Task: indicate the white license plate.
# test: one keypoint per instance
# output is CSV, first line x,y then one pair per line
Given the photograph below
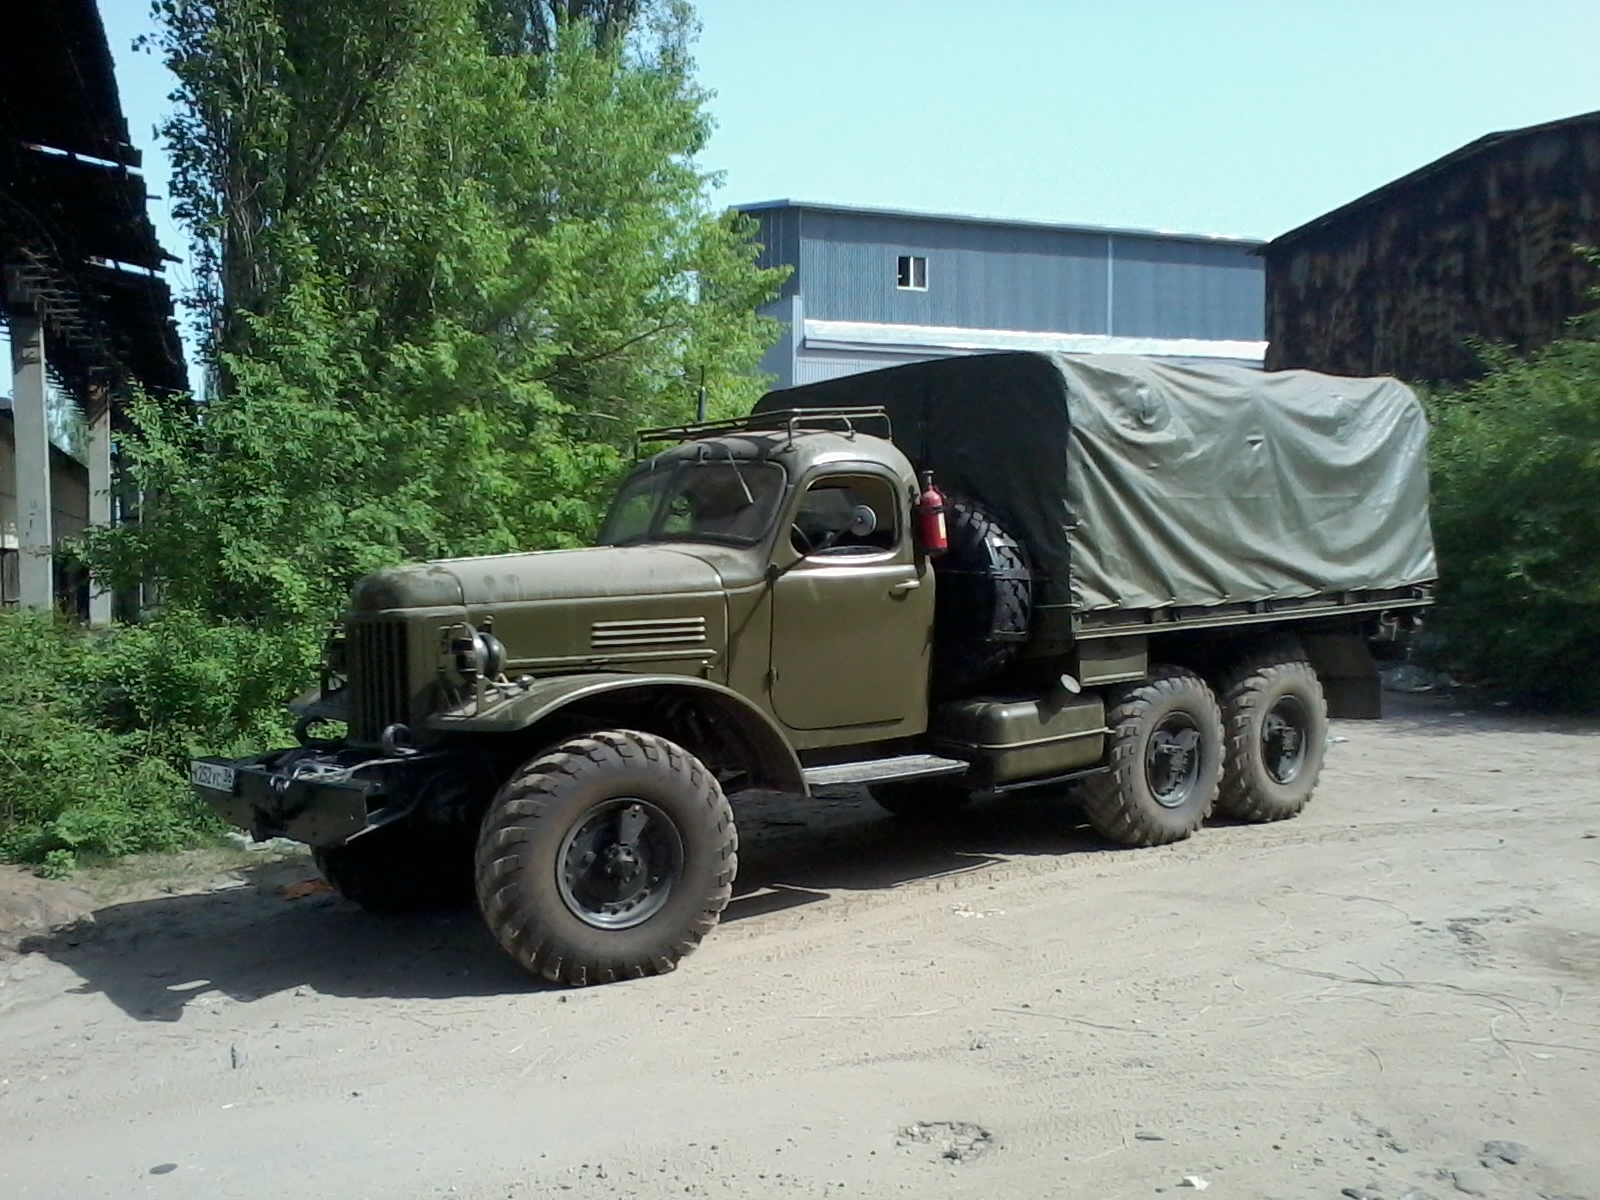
x,y
212,775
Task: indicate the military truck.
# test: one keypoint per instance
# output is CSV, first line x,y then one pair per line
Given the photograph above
x,y
1147,585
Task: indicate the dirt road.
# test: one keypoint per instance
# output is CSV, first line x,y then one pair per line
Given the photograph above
x,y
1358,999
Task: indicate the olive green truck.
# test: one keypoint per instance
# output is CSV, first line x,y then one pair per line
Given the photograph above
x,y
1143,584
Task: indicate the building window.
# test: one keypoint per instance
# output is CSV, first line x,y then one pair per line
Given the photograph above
x,y
911,273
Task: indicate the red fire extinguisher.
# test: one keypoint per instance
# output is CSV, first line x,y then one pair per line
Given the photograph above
x,y
934,536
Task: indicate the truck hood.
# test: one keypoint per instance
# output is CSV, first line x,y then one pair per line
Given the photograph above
x,y
595,573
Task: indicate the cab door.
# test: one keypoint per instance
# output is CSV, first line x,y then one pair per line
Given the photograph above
x,y
852,616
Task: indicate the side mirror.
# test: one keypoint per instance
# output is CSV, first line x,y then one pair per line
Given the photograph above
x,y
862,521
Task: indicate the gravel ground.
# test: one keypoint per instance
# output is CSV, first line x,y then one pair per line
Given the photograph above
x,y
1395,996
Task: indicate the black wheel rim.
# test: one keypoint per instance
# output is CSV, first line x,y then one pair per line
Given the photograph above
x,y
1172,759
619,863
1283,739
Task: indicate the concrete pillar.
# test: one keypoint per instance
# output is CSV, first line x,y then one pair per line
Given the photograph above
x,y
35,541
100,496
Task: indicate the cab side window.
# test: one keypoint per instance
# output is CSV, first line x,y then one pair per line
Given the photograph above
x,y
845,515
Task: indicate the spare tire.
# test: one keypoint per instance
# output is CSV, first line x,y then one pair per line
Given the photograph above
x,y
983,601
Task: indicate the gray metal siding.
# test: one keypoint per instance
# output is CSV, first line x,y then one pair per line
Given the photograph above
x,y
778,236
1179,289
978,275
814,366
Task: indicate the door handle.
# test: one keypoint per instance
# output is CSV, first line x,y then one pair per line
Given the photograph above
x,y
904,586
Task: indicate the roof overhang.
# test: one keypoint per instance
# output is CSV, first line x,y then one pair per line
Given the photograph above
x,y
935,340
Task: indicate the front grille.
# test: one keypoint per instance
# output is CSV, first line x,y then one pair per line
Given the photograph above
x,y
379,677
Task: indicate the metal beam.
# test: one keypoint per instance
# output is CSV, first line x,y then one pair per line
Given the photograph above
x,y
35,535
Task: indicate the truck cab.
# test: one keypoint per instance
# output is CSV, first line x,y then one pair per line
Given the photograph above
x,y
829,598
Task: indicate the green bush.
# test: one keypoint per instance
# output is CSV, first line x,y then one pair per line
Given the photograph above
x,y
477,252
96,728
195,685
1516,514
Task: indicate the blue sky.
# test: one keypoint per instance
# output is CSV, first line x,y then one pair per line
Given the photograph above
x,y
1239,117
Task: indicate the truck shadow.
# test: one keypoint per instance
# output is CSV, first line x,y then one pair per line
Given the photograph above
x,y
153,958
794,853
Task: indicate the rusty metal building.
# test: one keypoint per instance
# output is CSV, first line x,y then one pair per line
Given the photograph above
x,y
1476,246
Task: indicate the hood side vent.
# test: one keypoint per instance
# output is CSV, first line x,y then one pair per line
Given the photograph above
x,y
635,635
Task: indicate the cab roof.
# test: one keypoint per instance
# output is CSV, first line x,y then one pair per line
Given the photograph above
x,y
797,446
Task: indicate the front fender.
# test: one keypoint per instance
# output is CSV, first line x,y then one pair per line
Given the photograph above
x,y
779,765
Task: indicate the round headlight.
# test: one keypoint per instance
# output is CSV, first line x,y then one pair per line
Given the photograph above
x,y
482,654
491,655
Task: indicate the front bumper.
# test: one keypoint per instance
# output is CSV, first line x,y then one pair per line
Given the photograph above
x,y
322,797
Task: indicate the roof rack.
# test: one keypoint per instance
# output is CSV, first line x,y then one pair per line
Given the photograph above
x,y
789,420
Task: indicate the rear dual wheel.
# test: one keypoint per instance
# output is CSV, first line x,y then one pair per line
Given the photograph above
x,y
1177,751
1276,721
1165,761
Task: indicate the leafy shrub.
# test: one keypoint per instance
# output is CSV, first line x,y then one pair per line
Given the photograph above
x,y
193,685
443,271
1516,514
67,783
96,728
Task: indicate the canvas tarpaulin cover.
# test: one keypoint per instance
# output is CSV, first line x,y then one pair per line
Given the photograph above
x,y
1135,483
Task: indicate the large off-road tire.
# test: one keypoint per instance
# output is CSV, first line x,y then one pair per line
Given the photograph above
x,y
920,799
1165,760
982,603
403,867
608,857
1276,719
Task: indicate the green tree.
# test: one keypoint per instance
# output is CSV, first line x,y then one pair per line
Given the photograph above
x,y
534,26
445,273
1516,470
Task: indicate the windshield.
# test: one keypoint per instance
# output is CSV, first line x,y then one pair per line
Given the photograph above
x,y
728,502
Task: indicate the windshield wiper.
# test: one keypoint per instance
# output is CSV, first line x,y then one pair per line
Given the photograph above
x,y
749,497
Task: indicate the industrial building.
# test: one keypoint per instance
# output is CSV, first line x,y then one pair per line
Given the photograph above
x,y
82,298
874,288
1477,246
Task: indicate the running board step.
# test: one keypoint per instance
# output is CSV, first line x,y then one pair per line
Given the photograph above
x,y
878,770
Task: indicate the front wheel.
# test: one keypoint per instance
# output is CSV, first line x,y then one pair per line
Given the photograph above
x,y
608,857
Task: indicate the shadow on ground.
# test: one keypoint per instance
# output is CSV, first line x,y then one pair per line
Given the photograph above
x,y
248,940
802,852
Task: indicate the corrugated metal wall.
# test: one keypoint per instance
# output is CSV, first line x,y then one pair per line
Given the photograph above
x,y
779,239
1176,289
814,366
1478,248
998,276
983,276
